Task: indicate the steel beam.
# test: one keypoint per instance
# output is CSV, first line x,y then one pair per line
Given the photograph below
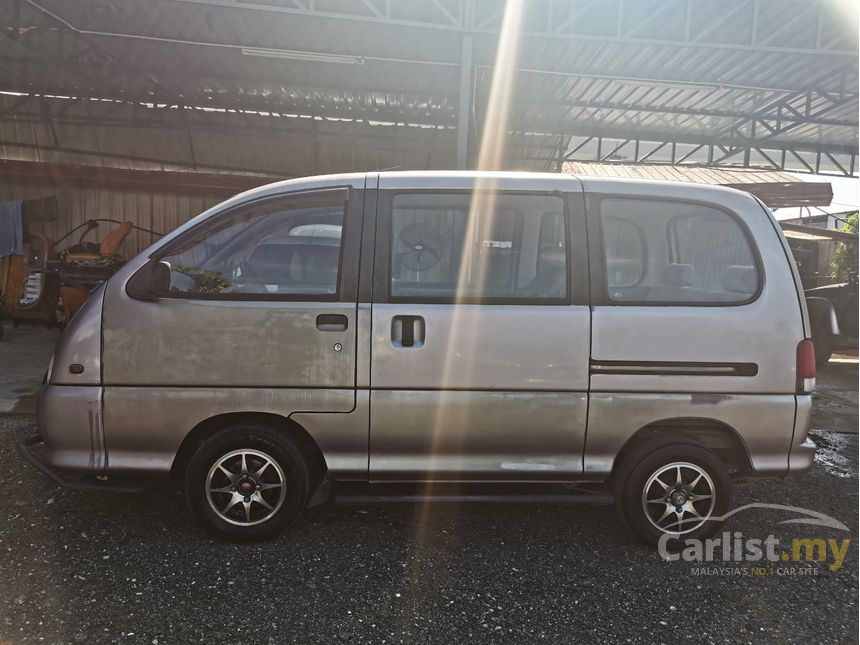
x,y
778,157
465,103
486,22
541,136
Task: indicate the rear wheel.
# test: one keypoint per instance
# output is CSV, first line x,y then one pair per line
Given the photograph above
x,y
247,482
674,490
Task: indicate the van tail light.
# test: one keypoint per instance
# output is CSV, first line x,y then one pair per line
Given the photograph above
x,y
805,366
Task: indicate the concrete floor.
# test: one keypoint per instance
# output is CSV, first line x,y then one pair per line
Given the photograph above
x,y
90,567
24,355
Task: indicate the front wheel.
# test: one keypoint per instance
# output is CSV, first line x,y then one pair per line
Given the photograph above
x,y
680,490
247,482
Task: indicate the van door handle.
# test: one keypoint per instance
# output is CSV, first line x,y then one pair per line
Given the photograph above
x,y
332,322
407,331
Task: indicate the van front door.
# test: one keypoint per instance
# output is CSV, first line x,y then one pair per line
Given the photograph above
x,y
260,316
479,364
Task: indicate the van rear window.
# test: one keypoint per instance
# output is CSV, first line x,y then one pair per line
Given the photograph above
x,y
675,253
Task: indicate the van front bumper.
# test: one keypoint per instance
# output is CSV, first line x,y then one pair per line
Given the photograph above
x,y
69,420
24,449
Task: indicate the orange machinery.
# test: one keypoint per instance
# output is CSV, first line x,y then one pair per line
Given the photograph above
x,y
29,289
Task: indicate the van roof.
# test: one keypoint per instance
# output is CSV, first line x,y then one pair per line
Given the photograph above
x,y
464,179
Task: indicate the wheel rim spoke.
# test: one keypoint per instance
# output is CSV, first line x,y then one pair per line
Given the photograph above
x,y
666,513
259,499
233,501
262,469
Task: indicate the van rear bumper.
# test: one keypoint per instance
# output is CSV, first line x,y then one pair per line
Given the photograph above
x,y
802,453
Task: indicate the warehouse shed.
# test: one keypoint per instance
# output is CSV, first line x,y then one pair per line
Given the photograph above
x,y
150,112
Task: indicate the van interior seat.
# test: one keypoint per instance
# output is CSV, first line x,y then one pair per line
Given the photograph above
x,y
677,282
550,279
739,279
293,264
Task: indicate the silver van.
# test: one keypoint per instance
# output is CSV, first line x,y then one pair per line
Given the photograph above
x,y
502,330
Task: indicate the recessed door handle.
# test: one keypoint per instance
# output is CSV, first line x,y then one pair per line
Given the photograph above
x,y
407,331
332,322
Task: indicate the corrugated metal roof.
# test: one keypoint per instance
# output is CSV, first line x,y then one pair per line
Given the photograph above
x,y
693,174
776,189
666,68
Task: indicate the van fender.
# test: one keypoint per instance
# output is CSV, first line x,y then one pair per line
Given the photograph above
x,y
822,315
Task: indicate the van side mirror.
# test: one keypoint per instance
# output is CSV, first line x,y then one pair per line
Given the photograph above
x,y
151,281
160,278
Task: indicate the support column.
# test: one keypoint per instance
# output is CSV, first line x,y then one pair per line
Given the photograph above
x,y
465,103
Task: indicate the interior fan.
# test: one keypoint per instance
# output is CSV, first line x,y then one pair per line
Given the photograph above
x,y
418,247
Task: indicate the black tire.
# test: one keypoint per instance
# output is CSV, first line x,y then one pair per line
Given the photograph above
x,y
287,464
638,467
822,334
822,339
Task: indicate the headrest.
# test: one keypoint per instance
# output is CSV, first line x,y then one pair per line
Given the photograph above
x,y
678,275
739,279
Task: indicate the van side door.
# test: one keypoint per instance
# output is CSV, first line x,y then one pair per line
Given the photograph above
x,y
481,333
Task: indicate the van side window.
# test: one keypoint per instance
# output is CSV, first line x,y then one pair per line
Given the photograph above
x,y
625,245
675,253
511,249
267,250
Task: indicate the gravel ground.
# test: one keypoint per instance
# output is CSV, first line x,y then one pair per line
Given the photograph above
x,y
84,567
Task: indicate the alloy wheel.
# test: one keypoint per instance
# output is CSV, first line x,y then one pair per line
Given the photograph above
x,y
245,487
678,498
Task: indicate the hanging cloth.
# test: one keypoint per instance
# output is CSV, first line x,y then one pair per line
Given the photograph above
x,y
11,229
